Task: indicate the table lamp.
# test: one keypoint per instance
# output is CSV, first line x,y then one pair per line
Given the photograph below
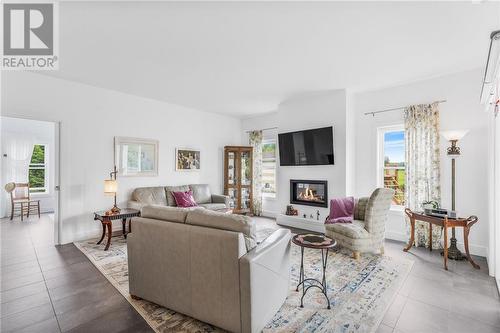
x,y
110,189
453,152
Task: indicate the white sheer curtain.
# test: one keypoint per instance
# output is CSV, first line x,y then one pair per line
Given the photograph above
x,y
17,149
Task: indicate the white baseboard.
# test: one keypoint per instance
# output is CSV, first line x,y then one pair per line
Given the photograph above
x,y
268,213
300,223
474,249
88,234
394,235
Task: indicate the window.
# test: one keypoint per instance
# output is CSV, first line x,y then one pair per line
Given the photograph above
x,y
392,170
38,174
269,168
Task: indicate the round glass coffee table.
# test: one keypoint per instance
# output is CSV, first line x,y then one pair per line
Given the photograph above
x,y
318,242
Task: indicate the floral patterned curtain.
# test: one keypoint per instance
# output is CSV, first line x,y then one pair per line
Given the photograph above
x,y
255,138
422,166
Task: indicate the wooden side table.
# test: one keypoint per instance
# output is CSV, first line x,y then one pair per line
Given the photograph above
x,y
124,214
445,223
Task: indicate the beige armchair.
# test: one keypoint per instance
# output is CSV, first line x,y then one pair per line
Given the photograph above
x,y
366,232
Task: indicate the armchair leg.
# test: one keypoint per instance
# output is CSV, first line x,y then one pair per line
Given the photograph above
x,y
356,255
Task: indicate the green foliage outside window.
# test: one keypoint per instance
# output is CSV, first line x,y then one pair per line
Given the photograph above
x,y
36,175
38,156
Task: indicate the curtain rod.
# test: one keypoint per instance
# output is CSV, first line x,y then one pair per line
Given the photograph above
x,y
263,129
373,113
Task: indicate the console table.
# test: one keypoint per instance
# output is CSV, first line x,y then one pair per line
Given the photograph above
x,y
124,214
445,223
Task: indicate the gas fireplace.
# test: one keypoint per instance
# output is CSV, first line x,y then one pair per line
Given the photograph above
x,y
309,192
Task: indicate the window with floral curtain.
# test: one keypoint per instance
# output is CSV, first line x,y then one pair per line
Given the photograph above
x,y
422,165
255,139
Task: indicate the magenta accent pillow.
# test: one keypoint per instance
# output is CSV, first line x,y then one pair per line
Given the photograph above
x,y
184,199
341,210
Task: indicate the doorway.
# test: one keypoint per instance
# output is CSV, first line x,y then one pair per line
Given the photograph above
x,y
30,154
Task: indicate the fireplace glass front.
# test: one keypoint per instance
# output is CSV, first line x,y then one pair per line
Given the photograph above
x,y
309,192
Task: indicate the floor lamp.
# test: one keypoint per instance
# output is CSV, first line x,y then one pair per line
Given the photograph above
x,y
453,152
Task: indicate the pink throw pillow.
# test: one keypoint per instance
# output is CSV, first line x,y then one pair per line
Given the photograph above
x,y
184,199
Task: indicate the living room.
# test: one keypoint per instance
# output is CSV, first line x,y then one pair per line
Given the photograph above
x,y
208,96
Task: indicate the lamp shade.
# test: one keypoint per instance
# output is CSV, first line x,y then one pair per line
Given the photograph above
x,y
110,187
454,135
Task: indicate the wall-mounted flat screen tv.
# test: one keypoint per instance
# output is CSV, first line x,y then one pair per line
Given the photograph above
x,y
309,147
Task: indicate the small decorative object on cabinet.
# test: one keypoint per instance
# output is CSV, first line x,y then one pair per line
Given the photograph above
x,y
238,178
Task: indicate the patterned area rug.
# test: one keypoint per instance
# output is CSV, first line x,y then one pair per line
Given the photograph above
x,y
359,291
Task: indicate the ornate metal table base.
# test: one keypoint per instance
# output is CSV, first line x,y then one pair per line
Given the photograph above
x,y
313,283
316,242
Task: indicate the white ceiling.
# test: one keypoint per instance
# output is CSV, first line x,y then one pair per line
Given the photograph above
x,y
245,58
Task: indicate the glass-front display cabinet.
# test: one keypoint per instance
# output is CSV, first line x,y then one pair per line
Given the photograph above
x,y
238,178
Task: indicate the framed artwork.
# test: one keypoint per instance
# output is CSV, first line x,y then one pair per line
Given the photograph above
x,y
187,159
136,157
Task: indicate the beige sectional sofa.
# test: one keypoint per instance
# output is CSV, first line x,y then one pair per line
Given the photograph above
x,y
162,195
208,265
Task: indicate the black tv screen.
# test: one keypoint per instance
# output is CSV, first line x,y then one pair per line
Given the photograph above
x,y
310,147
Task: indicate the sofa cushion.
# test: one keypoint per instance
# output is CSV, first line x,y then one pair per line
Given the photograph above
x,y
360,209
356,229
213,206
184,199
201,193
150,195
170,214
170,196
231,222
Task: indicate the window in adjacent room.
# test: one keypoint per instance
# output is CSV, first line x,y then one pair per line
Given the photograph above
x,y
392,170
269,168
38,173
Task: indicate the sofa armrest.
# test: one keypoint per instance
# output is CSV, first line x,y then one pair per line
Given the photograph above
x,y
135,204
264,280
219,198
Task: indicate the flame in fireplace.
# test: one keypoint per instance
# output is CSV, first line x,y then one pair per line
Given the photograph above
x,y
308,194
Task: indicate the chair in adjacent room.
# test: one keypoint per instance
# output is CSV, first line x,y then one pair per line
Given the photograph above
x,y
20,200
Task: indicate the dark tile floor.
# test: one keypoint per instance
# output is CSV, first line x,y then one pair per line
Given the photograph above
x,y
56,289
431,299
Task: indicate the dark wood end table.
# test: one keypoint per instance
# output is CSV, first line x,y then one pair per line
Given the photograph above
x,y
124,214
445,223
319,242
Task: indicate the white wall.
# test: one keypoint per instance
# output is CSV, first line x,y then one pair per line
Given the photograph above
x,y
313,110
42,132
90,117
461,111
